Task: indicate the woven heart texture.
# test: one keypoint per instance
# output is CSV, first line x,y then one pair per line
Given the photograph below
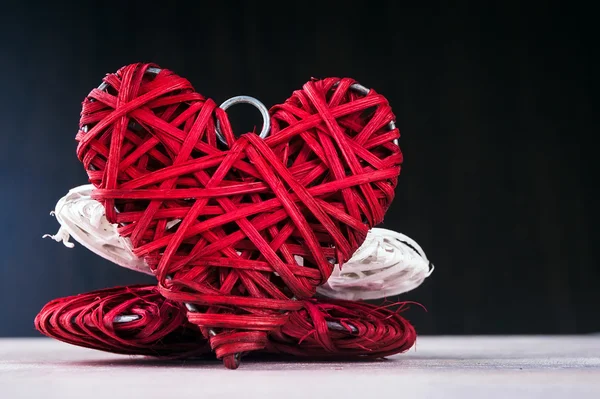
x,y
137,320
243,229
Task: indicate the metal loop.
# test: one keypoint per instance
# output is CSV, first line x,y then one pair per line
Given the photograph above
x,y
266,128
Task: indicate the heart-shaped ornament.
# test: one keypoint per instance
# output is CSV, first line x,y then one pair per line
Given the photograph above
x,y
240,228
137,320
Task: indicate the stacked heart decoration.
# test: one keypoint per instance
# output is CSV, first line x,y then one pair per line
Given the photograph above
x,y
240,229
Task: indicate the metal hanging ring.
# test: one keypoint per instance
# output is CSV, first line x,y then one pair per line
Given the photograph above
x,y
266,128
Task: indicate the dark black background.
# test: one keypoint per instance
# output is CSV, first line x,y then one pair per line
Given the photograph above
x,y
494,104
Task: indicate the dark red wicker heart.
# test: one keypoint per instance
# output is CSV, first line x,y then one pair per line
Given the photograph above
x,y
137,320
239,230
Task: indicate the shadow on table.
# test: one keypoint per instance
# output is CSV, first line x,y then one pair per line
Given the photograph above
x,y
262,361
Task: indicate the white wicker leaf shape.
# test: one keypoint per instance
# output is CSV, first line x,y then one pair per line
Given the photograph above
x,y
386,264
83,218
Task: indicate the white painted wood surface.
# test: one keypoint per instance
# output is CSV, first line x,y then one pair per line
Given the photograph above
x,y
439,367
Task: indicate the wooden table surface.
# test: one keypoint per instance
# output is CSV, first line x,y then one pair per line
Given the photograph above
x,y
438,367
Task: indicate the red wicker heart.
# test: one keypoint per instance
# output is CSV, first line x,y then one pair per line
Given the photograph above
x,y
137,320
239,230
